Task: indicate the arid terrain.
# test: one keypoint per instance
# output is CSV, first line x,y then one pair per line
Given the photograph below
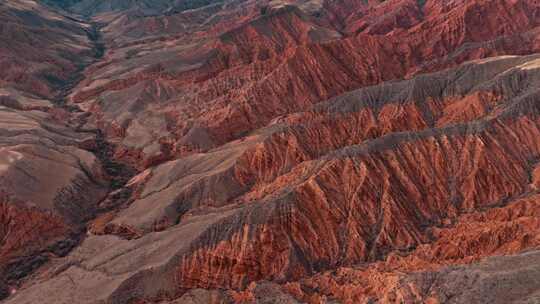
x,y
256,151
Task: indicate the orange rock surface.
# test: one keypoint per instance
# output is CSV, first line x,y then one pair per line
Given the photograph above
x,y
280,152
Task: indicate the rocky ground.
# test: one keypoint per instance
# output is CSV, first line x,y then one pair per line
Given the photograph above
x,y
254,151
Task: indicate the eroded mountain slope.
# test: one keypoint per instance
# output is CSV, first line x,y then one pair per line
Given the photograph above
x,y
305,151
416,192
163,97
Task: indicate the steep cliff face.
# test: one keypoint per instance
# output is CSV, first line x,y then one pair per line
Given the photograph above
x,y
285,151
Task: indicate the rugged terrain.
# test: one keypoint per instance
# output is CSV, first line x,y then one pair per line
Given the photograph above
x,y
254,151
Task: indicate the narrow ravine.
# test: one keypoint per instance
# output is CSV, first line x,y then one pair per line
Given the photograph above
x,y
118,173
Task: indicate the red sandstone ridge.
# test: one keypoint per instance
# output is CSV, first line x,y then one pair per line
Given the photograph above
x,y
272,152
279,59
404,197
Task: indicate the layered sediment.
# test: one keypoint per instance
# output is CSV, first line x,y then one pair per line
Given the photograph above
x,y
254,152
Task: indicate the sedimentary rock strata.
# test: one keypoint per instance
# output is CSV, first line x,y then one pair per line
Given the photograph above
x,y
272,152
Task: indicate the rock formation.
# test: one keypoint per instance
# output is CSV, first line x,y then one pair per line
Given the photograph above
x,y
270,151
